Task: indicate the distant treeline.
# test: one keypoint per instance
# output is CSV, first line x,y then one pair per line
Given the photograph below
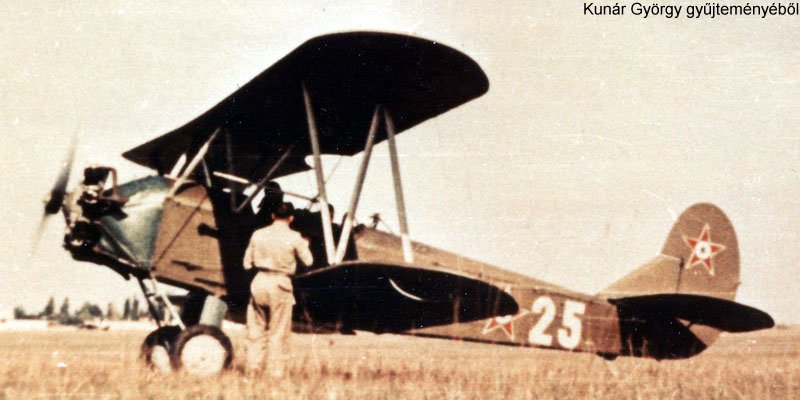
x,y
131,310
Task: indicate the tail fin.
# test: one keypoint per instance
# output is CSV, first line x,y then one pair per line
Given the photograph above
x,y
700,257
677,304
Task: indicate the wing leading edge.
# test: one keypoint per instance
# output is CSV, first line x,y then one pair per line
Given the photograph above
x,y
347,75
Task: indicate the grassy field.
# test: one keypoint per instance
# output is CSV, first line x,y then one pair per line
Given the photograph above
x,y
104,365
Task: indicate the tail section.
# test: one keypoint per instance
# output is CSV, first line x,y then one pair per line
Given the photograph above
x,y
700,257
677,304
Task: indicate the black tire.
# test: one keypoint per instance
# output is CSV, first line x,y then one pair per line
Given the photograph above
x,y
157,347
208,349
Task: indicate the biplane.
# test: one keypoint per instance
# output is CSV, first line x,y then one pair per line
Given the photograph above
x,y
341,94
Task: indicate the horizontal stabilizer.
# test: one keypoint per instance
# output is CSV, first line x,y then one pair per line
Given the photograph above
x,y
721,314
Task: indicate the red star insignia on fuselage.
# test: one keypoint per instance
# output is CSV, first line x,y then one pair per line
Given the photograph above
x,y
505,323
703,249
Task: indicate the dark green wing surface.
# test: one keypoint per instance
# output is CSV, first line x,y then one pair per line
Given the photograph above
x,y
394,298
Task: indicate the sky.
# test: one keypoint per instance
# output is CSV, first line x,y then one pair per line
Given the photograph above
x,y
594,135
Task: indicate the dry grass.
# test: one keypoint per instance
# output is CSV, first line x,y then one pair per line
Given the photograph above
x,y
85,364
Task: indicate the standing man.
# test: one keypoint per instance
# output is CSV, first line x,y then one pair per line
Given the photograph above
x,y
272,252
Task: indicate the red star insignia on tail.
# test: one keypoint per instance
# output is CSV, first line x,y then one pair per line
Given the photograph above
x,y
703,249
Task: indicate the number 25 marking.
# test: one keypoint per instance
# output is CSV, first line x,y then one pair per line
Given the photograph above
x,y
569,335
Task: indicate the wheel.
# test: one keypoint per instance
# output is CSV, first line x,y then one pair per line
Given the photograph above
x,y
202,350
156,348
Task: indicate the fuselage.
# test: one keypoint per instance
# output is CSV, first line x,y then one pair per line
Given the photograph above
x,y
190,241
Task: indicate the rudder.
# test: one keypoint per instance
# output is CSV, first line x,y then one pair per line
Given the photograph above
x,y
705,242
699,257
666,307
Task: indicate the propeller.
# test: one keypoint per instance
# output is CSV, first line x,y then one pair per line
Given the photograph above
x,y
58,193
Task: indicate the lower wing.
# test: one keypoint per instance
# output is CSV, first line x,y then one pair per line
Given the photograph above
x,y
394,298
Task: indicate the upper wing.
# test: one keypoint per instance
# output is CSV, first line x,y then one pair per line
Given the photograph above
x,y
347,75
391,298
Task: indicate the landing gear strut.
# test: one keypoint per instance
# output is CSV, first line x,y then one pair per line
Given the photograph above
x,y
200,349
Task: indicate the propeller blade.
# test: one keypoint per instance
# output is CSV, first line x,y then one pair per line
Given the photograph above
x,y
37,235
59,191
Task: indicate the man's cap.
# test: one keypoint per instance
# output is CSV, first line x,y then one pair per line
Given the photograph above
x,y
284,210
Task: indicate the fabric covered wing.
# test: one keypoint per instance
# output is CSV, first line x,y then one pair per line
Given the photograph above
x,y
391,298
347,75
